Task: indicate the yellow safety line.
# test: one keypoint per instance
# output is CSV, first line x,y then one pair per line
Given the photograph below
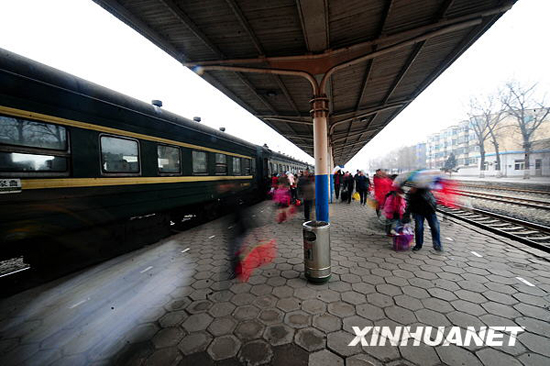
x,y
100,182
88,126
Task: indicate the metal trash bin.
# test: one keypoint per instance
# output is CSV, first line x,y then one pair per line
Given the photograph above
x,y
317,251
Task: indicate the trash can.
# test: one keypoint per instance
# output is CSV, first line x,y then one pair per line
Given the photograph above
x,y
317,251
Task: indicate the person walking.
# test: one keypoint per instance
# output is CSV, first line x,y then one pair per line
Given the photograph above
x,y
337,183
306,190
348,185
382,186
422,204
362,187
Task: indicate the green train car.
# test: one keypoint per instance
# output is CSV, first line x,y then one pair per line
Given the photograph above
x,y
82,165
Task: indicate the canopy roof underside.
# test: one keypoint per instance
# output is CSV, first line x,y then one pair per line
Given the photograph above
x,y
385,53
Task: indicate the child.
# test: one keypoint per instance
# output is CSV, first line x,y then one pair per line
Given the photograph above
x,y
394,208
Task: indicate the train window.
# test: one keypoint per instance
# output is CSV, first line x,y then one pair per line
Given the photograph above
x,y
237,166
21,132
16,162
119,155
253,166
168,159
246,166
200,162
221,164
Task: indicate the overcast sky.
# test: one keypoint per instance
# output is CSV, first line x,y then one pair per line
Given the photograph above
x,y
81,38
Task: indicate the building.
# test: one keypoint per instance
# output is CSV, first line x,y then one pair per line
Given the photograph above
x,y
461,140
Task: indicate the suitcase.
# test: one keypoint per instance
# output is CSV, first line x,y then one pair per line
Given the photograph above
x,y
344,195
403,238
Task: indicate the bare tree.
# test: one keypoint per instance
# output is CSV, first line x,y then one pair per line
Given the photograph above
x,y
481,130
522,104
488,113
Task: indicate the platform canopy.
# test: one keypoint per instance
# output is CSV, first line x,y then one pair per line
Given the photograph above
x,y
371,58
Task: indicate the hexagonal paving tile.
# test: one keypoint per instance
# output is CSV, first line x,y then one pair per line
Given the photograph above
x,y
267,301
353,297
271,316
243,299
246,312
325,358
310,339
314,306
221,309
197,322
379,300
173,318
400,315
328,296
256,352
278,334
327,323
338,343
288,304
221,326
283,291
195,342
355,321
224,347
249,330
200,306
370,312
297,319
305,293
168,337
341,309
261,290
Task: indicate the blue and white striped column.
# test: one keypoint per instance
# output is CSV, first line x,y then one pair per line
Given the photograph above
x,y
320,149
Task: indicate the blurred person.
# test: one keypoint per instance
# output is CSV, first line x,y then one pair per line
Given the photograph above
x,y
382,185
306,190
292,185
337,183
422,204
394,208
362,187
282,201
349,182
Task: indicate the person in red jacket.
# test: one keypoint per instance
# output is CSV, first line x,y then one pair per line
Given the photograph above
x,y
382,186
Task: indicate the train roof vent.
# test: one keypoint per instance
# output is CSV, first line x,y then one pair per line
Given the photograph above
x,y
157,103
196,119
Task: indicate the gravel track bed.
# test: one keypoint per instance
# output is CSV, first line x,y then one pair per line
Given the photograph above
x,y
535,215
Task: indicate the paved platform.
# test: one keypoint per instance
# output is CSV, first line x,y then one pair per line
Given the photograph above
x,y
169,304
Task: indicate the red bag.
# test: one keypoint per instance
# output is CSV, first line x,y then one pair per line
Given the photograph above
x,y
298,203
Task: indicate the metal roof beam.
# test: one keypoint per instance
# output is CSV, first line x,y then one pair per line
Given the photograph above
x,y
314,19
244,23
391,39
137,24
414,54
186,21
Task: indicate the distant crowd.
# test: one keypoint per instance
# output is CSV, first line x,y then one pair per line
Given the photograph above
x,y
394,208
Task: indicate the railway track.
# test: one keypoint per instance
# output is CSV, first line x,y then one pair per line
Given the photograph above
x,y
526,202
507,189
531,234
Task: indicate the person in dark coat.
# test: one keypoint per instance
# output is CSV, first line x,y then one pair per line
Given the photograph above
x,y
348,185
422,204
306,190
362,186
337,183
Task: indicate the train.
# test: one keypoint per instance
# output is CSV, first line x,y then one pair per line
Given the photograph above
x,y
82,165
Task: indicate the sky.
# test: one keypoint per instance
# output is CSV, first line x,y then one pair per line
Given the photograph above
x,y
81,38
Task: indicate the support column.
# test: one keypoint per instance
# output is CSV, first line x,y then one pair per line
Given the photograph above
x,y
319,113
